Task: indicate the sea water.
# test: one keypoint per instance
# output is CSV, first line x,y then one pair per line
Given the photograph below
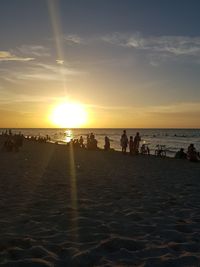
x,y
173,139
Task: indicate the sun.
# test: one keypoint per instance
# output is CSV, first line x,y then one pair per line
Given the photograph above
x,y
69,115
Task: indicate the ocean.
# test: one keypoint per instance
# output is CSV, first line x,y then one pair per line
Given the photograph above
x,y
173,139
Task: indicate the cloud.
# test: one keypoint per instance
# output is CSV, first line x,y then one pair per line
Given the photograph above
x,y
58,70
73,39
175,115
177,108
37,76
174,45
39,72
34,50
7,56
60,61
111,107
13,97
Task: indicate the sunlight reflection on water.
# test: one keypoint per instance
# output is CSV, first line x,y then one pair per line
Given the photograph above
x,y
68,135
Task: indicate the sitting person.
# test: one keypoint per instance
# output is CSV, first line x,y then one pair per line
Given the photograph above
x,y
192,154
144,150
181,154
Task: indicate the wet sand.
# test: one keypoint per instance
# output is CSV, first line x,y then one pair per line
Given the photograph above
x,y
60,207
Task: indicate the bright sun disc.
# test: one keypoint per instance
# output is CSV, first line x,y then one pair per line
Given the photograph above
x,y
69,115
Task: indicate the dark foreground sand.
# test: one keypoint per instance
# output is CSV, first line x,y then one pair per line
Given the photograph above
x,y
100,209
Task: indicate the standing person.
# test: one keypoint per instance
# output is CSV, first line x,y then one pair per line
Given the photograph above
x,y
131,145
137,140
107,143
88,141
124,142
81,141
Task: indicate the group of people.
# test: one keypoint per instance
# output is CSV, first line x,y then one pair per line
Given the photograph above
x,y
91,142
39,139
12,141
191,155
133,144
76,143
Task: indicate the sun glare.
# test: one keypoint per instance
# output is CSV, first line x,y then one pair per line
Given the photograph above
x,y
69,115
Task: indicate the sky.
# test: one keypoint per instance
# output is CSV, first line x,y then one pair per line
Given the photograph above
x,y
129,63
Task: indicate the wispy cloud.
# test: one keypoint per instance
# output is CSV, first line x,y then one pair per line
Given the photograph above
x,y
177,109
34,50
174,115
39,72
60,61
7,56
73,39
103,107
10,97
175,45
58,69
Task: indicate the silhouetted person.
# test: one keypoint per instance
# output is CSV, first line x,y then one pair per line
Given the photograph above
x,y
9,144
91,142
107,143
192,154
181,154
131,145
144,150
76,143
88,141
48,138
81,142
92,136
137,140
94,144
124,142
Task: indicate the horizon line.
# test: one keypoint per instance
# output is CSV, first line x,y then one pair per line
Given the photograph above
x,y
150,128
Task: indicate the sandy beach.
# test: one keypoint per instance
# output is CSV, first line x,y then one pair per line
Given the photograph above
x,y
64,207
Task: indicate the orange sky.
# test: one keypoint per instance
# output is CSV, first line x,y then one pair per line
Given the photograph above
x,y
125,70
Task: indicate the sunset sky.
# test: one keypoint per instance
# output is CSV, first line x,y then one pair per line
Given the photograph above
x,y
128,63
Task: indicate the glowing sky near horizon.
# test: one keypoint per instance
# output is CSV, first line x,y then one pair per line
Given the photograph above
x,y
129,63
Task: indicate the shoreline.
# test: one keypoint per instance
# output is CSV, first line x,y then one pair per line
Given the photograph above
x,y
172,139
62,143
